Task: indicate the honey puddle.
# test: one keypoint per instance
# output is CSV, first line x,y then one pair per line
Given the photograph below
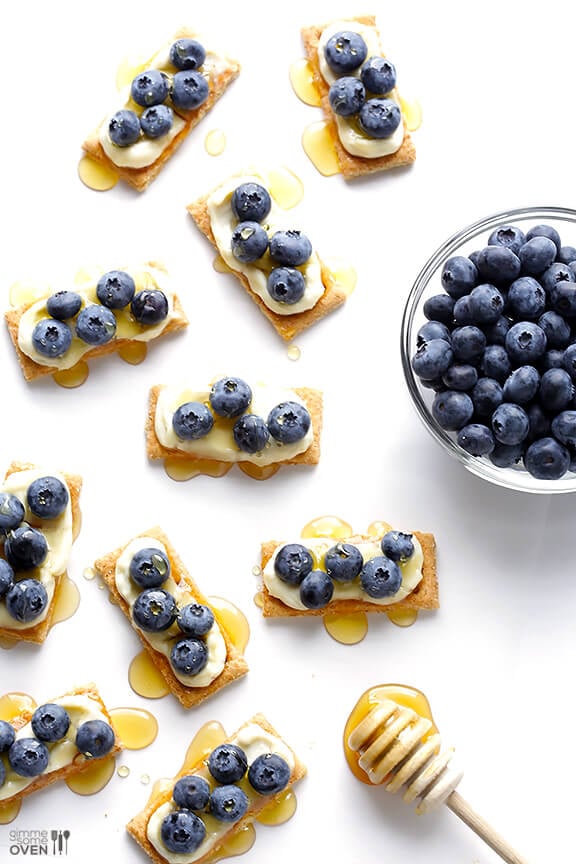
x,y
93,778
26,293
285,187
136,728
145,679
67,600
233,620
215,142
302,80
95,175
74,377
133,352
319,148
185,469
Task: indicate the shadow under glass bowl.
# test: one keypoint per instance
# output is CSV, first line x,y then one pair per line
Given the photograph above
x,y
427,284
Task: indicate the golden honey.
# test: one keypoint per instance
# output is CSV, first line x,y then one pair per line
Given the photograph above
x,y
347,628
327,526
402,617
302,80
73,377
93,778
285,187
9,811
145,679
280,810
136,728
258,472
14,704
67,600
26,293
215,142
133,352
186,469
233,620
319,148
95,175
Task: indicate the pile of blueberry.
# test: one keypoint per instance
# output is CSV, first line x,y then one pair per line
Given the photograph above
x,y
155,610
499,350
361,88
183,830
25,548
250,241
379,577
187,89
95,324
29,757
230,398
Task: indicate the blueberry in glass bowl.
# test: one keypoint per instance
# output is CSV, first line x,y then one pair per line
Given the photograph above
x,y
488,348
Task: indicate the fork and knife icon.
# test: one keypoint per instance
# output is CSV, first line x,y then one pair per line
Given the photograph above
x,y
60,841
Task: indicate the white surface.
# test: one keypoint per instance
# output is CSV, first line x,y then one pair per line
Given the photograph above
x,y
496,88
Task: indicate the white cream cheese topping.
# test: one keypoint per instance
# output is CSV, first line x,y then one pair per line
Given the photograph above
x,y
164,641
145,277
59,537
81,707
254,741
219,443
352,138
223,222
411,571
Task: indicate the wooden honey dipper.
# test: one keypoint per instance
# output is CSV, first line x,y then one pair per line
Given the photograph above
x,y
390,739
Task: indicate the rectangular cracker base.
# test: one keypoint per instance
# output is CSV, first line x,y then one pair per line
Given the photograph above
x,y
137,827
350,166
424,596
235,665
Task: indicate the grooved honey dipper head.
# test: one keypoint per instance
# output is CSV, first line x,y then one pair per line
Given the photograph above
x,y
390,738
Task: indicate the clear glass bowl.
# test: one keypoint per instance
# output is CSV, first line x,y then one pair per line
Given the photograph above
x,y
426,285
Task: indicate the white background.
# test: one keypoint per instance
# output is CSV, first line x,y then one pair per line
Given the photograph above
x,y
495,81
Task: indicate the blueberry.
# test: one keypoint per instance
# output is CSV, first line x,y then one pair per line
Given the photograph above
x,y
191,792
289,422
468,342
526,298
459,276
227,763
495,363
290,248
50,722
269,773
556,390
432,359
189,656
521,385
545,231
569,361
28,757
250,433
250,202
563,299
154,610
496,333
345,51
149,88
157,121
51,338
510,423
525,342
378,75
509,236
115,289
476,439
566,255
346,96
452,409
47,497
124,128
25,548
292,563
316,589
63,304
149,306
380,577
230,397
564,428
498,264
547,459
189,90
11,511
286,285
463,313
149,567
96,325
557,272
536,255
486,395
552,359
192,420
187,54
95,738
379,117
195,619
228,803
506,455
397,545
7,736
2,774
556,328
6,577
432,330
486,303
539,422
249,242
460,376
182,832
439,307
26,600
343,562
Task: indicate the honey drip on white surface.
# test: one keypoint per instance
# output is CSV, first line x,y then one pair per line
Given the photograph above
x,y
302,80
185,469
238,844
136,728
319,148
74,377
233,620
9,811
347,628
285,187
220,265
93,778
11,706
402,617
215,142
145,679
280,810
26,293
67,600
89,574
327,526
344,276
209,736
95,175
123,771
133,352
127,70
411,112
258,472
293,352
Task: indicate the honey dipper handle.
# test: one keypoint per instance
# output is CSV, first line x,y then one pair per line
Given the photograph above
x,y
461,808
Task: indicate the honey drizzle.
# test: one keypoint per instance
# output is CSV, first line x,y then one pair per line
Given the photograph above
x,y
209,736
233,620
319,148
258,472
185,469
327,526
344,275
8,642
348,629
412,113
302,80
93,778
215,142
95,175
145,679
14,704
220,265
240,842
293,352
73,377
136,728
285,187
280,810
26,293
9,811
67,600
133,352
402,617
